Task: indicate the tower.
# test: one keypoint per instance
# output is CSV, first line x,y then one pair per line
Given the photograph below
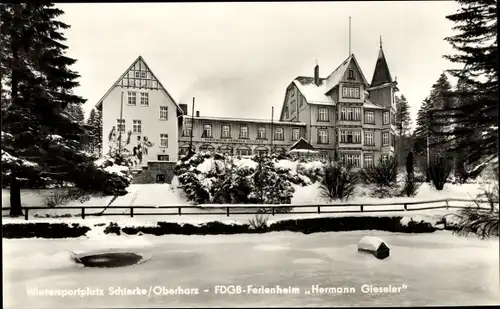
x,y
382,87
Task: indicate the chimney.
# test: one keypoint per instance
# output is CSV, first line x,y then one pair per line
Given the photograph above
x,y
316,74
184,108
197,113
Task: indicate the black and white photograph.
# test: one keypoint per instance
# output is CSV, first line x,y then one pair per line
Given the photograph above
x,y
249,154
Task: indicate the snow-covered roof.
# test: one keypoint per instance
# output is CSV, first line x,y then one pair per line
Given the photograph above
x,y
301,144
369,104
312,93
303,151
266,121
336,76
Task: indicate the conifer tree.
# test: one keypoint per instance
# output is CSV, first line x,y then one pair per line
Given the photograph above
x,y
474,125
403,122
41,143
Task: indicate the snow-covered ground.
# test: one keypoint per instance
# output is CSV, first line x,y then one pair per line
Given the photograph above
x,y
164,194
436,269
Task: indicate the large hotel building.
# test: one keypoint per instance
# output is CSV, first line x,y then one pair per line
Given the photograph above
x,y
339,115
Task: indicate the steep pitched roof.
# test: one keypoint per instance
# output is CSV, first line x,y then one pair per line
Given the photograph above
x,y
381,74
141,60
336,76
312,93
301,144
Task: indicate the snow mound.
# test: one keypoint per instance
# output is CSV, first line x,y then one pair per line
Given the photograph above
x,y
370,243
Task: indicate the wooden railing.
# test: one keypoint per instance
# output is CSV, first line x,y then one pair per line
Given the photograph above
x,y
273,208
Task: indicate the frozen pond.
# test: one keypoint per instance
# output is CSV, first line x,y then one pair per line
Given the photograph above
x,y
431,269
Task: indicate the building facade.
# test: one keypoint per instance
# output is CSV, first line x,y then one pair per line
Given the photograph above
x,y
140,116
345,116
341,115
238,136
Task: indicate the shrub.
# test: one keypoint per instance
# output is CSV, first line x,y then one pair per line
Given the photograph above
x,y
438,171
226,182
384,173
314,173
480,221
411,185
339,182
259,222
56,199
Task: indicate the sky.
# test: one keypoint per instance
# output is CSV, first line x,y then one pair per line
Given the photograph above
x,y
238,58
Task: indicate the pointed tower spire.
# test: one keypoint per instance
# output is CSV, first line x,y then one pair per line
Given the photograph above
x,y
381,75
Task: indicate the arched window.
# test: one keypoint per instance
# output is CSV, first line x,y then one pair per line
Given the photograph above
x,y
206,148
243,151
184,149
226,150
261,151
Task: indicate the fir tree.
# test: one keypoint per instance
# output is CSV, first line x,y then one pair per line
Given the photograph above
x,y
76,112
403,122
40,141
474,125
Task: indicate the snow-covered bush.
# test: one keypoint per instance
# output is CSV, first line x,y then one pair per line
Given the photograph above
x,y
259,223
216,178
104,176
339,181
313,170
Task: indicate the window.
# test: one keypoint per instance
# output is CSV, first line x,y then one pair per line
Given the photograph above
x,y
369,138
278,134
132,98
143,74
322,136
295,134
323,114
357,137
385,158
243,132
386,117
350,92
136,127
163,140
120,124
144,99
349,158
385,139
393,140
187,127
164,112
351,113
370,117
163,158
225,131
243,151
261,152
261,133
207,131
350,137
292,107
393,119
301,101
351,74
137,74
368,160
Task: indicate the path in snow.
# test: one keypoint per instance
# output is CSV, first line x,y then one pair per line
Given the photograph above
x,y
438,269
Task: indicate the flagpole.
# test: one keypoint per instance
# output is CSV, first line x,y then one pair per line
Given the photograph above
x,y
119,129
